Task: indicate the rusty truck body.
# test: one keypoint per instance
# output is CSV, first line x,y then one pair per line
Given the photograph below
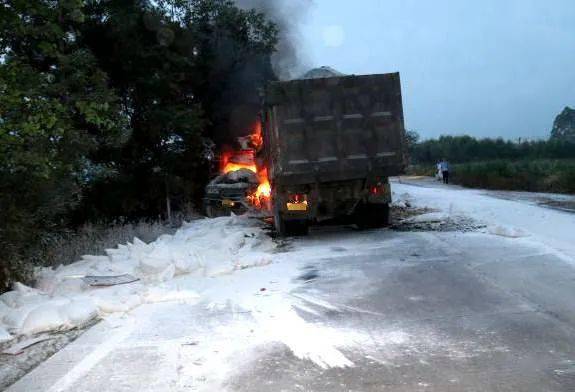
x,y
330,145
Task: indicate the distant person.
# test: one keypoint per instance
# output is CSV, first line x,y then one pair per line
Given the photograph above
x,y
444,165
439,174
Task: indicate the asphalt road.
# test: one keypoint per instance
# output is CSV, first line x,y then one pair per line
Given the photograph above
x,y
447,312
556,201
426,311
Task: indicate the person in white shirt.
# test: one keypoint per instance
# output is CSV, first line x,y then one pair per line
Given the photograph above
x,y
438,173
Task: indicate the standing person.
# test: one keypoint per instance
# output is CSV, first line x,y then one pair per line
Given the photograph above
x,y
439,174
444,170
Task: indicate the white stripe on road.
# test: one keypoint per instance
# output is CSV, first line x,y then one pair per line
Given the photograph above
x,y
91,360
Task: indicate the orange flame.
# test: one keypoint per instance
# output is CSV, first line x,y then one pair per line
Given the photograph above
x,y
264,189
256,137
245,159
236,160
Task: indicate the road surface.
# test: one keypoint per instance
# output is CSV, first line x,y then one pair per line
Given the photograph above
x,y
556,201
468,306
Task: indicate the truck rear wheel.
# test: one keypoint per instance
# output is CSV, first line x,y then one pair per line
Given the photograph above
x,y
291,227
371,216
298,227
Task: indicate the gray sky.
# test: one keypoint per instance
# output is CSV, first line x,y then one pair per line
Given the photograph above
x,y
486,68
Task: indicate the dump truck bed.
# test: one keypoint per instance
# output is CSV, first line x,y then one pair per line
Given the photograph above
x,y
334,129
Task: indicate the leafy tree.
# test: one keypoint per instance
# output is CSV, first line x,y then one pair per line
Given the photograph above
x,y
56,110
411,139
106,107
564,126
180,68
459,149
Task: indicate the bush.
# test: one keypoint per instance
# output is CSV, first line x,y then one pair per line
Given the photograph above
x,y
556,176
421,170
462,149
543,175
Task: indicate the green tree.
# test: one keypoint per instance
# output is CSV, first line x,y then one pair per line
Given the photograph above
x,y
106,107
180,68
564,126
411,139
56,110
459,149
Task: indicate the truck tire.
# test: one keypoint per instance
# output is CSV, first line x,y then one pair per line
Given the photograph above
x,y
371,216
279,223
285,228
298,227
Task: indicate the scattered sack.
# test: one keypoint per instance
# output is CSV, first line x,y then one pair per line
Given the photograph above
x,y
54,317
79,312
4,335
41,319
509,232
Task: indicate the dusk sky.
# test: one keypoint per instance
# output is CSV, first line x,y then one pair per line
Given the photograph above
x,y
487,68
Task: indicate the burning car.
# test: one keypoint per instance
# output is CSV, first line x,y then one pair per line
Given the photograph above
x,y
229,192
240,185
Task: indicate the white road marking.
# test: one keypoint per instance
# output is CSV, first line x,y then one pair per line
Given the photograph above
x,y
92,359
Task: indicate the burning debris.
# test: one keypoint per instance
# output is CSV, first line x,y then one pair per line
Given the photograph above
x,y
241,185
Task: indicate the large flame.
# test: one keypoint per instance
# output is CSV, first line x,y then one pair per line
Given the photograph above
x,y
245,159
236,160
264,189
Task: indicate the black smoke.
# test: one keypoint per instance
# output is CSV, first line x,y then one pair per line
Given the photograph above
x,y
289,61
239,105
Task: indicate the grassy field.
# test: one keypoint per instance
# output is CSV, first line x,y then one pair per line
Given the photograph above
x,y
543,175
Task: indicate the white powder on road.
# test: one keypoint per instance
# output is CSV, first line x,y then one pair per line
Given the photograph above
x,y
510,218
204,269
206,248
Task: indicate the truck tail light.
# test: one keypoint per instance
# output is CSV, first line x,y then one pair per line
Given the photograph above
x,y
378,189
297,198
297,202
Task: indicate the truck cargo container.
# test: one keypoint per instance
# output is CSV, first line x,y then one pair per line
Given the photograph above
x,y
329,146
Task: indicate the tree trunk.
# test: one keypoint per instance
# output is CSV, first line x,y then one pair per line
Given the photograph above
x,y
168,203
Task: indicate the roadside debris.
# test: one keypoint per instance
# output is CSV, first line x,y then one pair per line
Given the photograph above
x,y
19,347
14,366
106,281
506,231
406,218
130,275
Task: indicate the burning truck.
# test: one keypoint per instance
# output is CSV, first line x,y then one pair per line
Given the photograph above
x,y
324,147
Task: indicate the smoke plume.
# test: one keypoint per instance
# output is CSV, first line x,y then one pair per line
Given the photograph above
x,y
240,101
289,61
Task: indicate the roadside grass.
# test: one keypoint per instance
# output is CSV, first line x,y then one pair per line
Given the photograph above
x,y
421,170
540,175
